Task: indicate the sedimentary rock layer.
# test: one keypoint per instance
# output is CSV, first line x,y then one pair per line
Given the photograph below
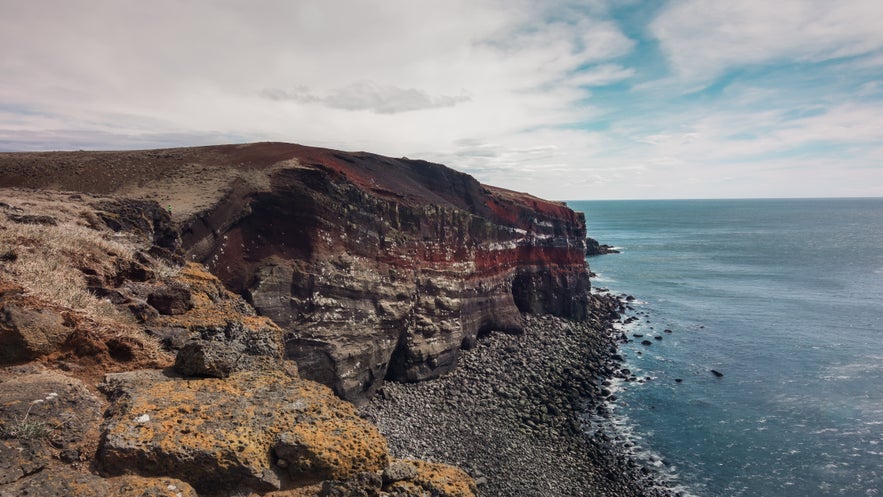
x,y
374,267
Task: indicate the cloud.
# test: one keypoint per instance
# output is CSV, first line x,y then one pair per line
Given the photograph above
x,y
563,98
370,96
704,38
601,75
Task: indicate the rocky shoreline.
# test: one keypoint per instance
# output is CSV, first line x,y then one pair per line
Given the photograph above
x,y
513,412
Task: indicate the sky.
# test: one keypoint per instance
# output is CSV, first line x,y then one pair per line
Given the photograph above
x,y
563,99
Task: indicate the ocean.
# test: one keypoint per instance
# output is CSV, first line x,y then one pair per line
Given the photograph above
x,y
785,299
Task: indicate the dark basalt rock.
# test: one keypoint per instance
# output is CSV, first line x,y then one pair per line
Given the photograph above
x,y
170,300
595,248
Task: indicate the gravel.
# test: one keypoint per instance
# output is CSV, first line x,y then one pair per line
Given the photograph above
x,y
513,412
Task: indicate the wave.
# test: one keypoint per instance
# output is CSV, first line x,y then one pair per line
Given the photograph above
x,y
600,278
629,441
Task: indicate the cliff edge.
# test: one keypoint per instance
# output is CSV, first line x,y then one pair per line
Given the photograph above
x,y
374,268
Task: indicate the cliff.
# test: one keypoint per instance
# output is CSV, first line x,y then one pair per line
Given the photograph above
x,y
373,267
126,372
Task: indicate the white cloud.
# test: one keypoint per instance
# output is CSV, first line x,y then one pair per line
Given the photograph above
x,y
703,38
498,88
368,95
393,77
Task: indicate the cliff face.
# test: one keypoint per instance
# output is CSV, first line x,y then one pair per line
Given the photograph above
x,y
384,268
373,267
193,392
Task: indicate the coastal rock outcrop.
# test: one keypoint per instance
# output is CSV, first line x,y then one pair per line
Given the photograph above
x,y
385,268
374,267
594,247
355,267
256,431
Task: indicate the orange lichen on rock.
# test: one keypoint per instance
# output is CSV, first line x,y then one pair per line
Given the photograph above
x,y
59,480
259,431
438,480
138,486
213,305
307,491
329,448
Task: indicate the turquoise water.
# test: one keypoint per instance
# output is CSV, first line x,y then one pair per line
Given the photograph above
x,y
785,298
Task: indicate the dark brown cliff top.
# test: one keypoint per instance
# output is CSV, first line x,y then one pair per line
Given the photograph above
x,y
190,179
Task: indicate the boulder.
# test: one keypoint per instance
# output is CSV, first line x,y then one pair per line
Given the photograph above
x,y
171,300
44,415
438,480
239,345
67,482
27,332
207,358
399,470
253,431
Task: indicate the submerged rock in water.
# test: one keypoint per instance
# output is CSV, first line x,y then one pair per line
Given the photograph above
x,y
593,247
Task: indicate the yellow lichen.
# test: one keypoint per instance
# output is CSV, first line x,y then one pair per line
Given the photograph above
x,y
236,422
443,480
137,486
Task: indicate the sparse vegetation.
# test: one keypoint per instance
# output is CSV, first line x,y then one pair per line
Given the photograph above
x,y
61,263
48,259
25,429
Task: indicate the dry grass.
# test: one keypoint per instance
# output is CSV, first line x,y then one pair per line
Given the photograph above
x,y
47,264
46,260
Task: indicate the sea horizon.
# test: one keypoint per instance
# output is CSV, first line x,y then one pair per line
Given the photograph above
x,y
686,199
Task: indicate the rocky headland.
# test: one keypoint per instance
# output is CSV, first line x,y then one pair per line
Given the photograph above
x,y
594,247
206,320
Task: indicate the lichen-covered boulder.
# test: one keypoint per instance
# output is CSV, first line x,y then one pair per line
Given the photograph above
x,y
438,480
62,481
255,430
44,416
219,332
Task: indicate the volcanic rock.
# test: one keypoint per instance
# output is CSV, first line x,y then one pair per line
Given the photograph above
x,y
256,431
42,414
64,481
374,267
593,247
27,332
